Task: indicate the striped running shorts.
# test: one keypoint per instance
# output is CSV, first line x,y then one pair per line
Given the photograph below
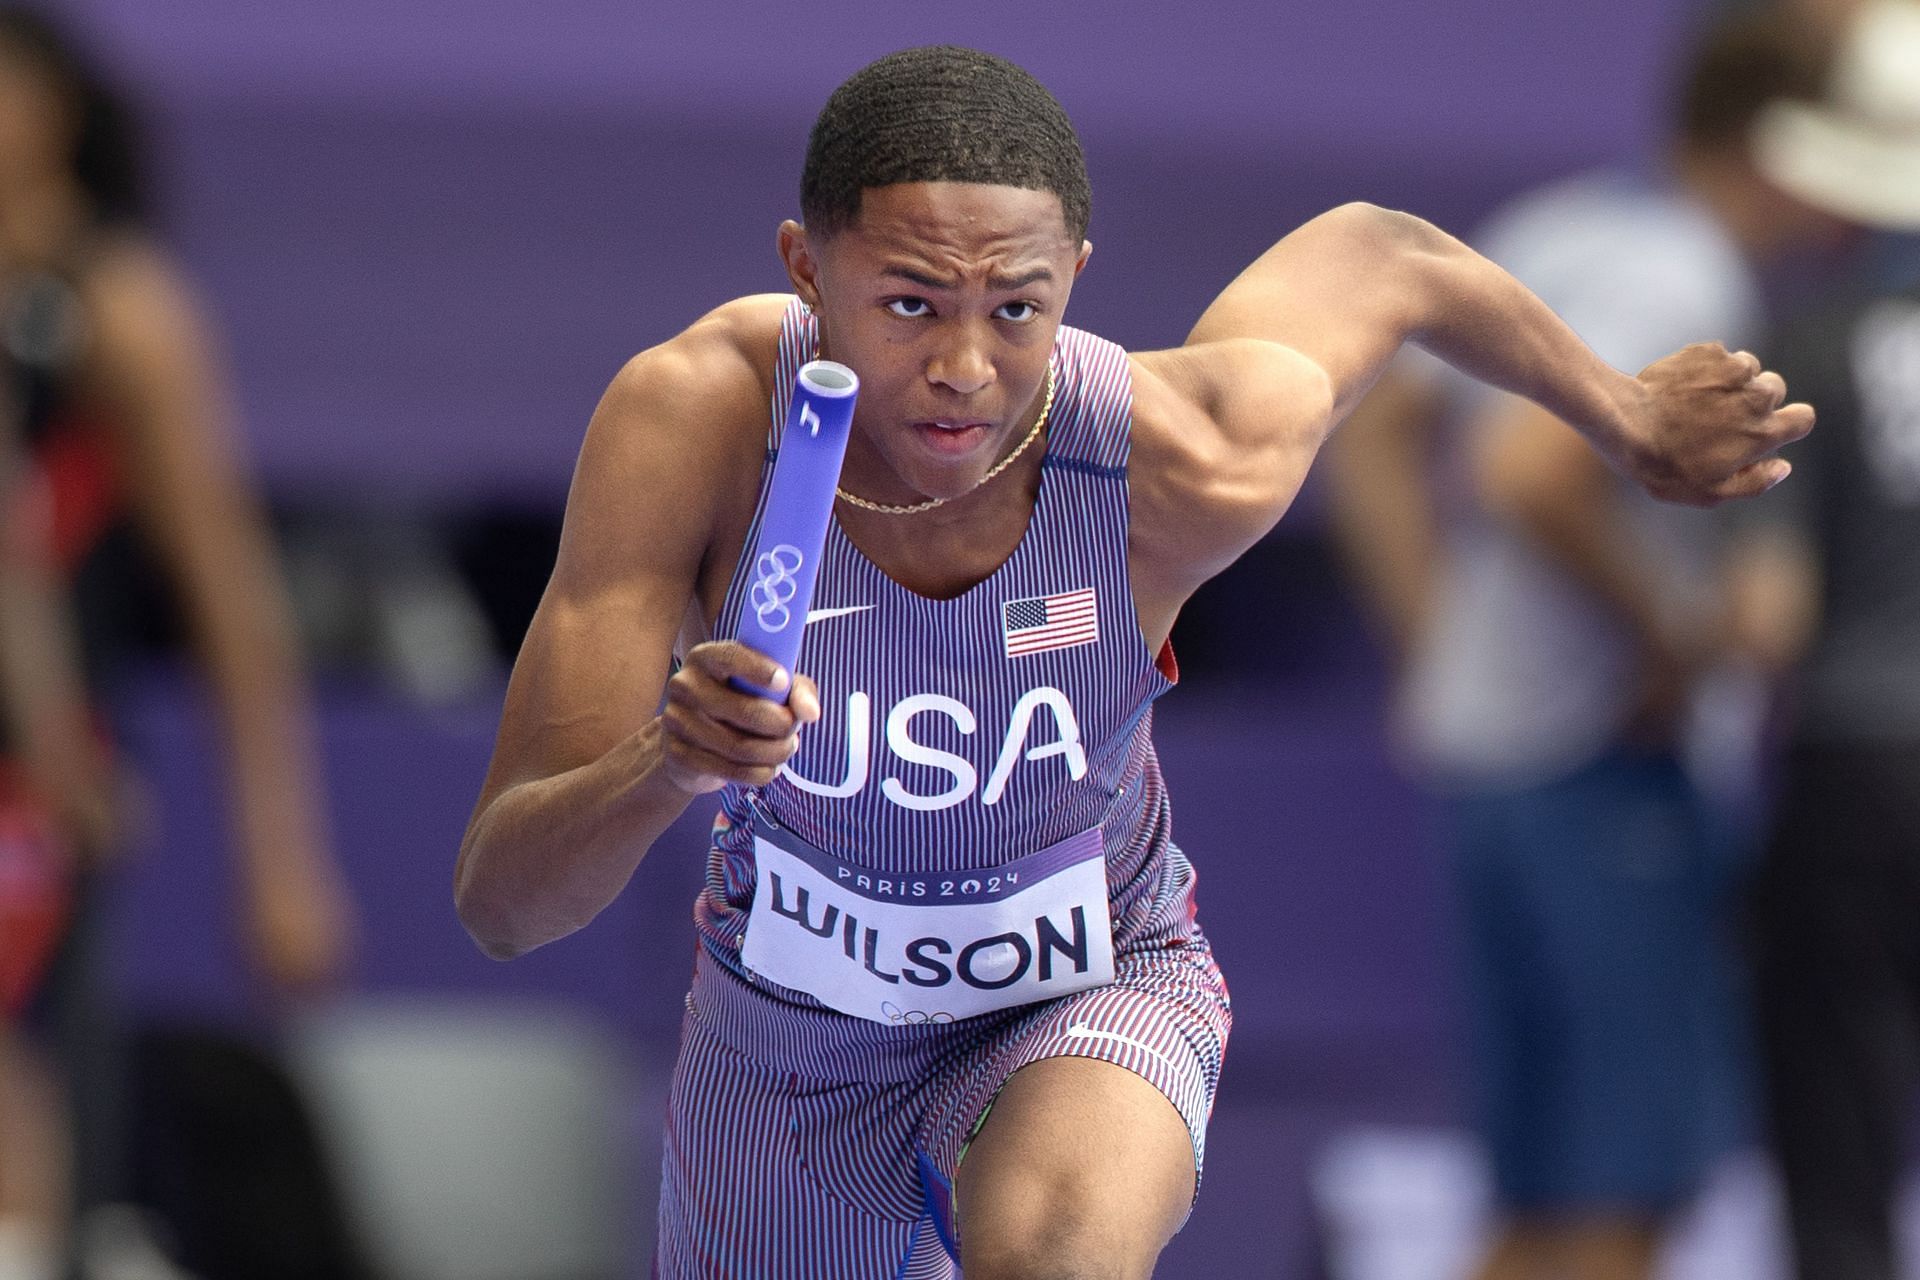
x,y
802,1143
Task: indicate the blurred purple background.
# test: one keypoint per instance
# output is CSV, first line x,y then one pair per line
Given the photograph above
x,y
434,230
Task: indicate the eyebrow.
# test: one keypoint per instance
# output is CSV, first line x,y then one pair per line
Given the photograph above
x,y
995,283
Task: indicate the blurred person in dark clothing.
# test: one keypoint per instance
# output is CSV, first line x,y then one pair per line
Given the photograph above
x,y
1833,580
1837,897
56,812
121,419
1565,682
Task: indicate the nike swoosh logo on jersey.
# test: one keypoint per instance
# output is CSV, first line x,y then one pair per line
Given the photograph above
x,y
821,615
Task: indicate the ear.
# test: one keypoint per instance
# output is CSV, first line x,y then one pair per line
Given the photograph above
x,y
1080,263
803,267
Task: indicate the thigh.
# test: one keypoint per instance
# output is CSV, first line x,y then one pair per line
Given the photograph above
x,y
1613,1087
738,1197
1499,952
1081,1161
1095,1110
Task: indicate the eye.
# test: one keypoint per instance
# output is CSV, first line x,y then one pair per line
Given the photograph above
x,y
1018,312
910,308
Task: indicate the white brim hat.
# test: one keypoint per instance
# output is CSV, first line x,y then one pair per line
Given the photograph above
x,y
1858,153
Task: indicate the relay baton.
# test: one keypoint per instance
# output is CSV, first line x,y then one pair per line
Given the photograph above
x,y
793,527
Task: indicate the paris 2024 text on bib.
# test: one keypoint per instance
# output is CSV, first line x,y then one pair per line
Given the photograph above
x,y
929,948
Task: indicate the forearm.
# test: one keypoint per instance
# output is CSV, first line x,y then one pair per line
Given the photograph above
x,y
542,858
1538,478
1591,544
1383,508
1773,588
1470,312
244,638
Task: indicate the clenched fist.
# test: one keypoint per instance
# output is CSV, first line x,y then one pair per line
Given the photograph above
x,y
1704,425
713,734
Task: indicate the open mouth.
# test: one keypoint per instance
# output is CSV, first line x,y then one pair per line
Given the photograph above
x,y
952,438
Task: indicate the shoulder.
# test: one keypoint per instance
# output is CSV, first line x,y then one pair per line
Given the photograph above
x,y
1222,436
141,305
722,361
671,459
697,401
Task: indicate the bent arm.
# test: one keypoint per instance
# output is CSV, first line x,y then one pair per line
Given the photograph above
x,y
588,770
1350,287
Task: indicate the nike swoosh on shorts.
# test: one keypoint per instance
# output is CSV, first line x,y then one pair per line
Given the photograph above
x,y
1080,1031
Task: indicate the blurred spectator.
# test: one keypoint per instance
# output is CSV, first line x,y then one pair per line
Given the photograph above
x,y
121,420
1556,633
54,806
1832,565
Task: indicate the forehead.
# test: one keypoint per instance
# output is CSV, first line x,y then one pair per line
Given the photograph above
x,y
967,219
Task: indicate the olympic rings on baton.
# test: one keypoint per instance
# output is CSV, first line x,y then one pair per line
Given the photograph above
x,y
774,585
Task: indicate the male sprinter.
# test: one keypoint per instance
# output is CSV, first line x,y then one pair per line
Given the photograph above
x,y
950,998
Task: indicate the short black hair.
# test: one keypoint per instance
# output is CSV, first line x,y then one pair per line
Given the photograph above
x,y
940,114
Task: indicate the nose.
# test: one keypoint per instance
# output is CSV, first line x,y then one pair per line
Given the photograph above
x,y
962,363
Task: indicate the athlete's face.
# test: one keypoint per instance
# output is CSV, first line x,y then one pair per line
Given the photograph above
x,y
944,297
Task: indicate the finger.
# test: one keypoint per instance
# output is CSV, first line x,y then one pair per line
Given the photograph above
x,y
689,726
1742,368
804,701
1790,423
1750,481
1767,391
729,659
717,700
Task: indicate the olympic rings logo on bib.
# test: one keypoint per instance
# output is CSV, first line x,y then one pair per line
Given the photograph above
x,y
911,1017
774,585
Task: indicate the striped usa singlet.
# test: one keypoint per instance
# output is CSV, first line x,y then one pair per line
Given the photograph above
x,y
940,745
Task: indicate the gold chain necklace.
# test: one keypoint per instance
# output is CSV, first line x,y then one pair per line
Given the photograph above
x,y
1039,424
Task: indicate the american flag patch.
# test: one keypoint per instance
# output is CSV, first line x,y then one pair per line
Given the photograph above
x,y
1040,623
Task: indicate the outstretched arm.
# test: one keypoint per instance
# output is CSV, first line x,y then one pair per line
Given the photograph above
x,y
1346,290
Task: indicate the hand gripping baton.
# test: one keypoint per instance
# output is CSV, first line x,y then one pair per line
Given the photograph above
x,y
793,528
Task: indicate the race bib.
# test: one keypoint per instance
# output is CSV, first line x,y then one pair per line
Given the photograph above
x,y
929,948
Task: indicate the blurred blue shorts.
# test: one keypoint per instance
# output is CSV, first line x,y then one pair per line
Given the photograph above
x,y
1595,935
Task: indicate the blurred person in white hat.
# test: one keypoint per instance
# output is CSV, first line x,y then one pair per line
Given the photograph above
x,y
1831,587
1855,153
1569,686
